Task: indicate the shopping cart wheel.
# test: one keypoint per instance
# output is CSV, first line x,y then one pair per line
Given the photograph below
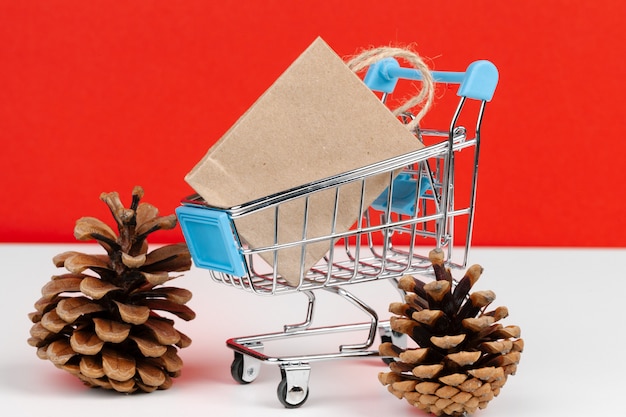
x,y
244,369
293,389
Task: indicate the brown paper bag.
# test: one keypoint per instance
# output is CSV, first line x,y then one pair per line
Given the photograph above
x,y
318,119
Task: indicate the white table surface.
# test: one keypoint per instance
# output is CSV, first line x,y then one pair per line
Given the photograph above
x,y
568,302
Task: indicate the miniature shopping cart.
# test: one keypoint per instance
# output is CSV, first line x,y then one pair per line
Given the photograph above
x,y
426,201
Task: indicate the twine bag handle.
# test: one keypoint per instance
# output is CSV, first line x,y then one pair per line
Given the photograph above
x,y
423,99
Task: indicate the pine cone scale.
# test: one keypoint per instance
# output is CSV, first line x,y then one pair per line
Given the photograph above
x,y
127,386
110,330
86,342
163,331
150,348
39,333
91,366
96,288
179,310
87,226
133,314
150,374
171,360
70,309
59,352
52,322
175,295
60,285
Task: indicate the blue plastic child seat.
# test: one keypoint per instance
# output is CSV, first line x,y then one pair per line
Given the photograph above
x,y
404,195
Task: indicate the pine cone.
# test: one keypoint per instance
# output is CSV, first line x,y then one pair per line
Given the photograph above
x,y
463,356
104,328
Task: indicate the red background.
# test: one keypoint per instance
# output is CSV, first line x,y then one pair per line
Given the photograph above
x,y
102,95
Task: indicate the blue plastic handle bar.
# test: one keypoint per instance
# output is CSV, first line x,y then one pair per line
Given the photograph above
x,y
478,82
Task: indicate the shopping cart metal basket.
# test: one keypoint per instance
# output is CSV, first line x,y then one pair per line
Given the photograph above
x,y
418,211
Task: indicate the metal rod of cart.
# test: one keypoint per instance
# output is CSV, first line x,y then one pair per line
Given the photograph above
x,y
419,210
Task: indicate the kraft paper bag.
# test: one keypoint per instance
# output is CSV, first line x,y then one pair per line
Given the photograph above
x,y
317,120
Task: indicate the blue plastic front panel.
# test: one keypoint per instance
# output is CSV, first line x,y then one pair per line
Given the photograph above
x,y
209,236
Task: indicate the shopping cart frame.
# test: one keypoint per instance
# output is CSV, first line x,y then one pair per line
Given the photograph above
x,y
370,249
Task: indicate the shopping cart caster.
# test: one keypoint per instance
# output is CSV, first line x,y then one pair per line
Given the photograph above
x,y
245,368
293,389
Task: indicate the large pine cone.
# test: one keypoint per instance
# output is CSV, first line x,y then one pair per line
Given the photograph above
x,y
104,328
463,356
